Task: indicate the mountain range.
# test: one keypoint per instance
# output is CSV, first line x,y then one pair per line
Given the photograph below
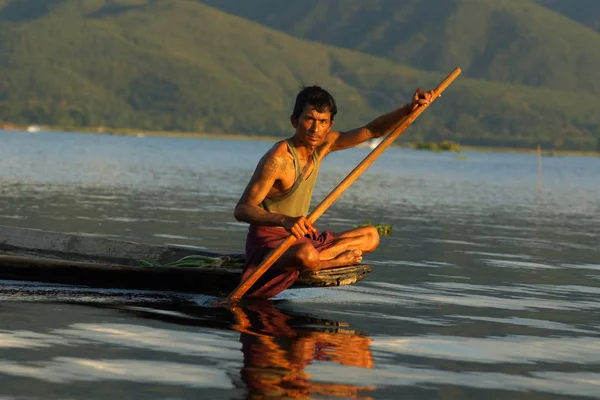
x,y
531,67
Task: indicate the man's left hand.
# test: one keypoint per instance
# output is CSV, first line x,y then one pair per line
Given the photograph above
x,y
421,98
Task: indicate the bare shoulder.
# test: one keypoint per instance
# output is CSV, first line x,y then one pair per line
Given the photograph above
x,y
275,160
278,153
279,149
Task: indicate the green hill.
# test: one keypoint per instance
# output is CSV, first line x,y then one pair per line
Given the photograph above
x,y
183,65
586,12
164,65
516,41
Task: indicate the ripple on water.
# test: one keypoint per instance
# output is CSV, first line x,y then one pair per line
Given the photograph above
x,y
511,349
595,267
67,370
528,322
215,343
395,375
23,291
406,263
515,298
518,264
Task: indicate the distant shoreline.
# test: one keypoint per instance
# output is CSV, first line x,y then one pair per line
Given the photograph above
x,y
546,153
138,132
264,138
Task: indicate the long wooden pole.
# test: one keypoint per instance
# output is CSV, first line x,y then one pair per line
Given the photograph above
x,y
340,188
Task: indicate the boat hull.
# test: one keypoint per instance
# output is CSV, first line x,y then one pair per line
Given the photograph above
x,y
34,255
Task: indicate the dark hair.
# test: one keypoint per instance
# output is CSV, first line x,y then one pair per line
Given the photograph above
x,y
317,97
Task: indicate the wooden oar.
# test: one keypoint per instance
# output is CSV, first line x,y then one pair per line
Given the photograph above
x,y
340,188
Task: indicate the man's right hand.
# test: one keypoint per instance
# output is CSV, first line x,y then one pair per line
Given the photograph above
x,y
298,226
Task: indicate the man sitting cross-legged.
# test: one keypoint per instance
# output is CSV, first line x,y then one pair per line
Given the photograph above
x,y
276,200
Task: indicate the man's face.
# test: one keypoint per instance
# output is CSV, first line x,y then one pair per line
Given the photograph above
x,y
312,126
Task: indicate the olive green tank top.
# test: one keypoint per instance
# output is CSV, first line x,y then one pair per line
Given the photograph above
x,y
296,201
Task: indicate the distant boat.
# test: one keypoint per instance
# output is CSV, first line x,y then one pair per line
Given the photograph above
x,y
33,128
371,144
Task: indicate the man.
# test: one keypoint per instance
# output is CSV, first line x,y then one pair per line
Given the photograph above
x,y
277,198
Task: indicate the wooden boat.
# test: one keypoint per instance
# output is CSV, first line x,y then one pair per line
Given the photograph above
x,y
42,256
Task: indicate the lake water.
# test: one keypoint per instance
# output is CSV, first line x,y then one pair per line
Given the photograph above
x,y
487,287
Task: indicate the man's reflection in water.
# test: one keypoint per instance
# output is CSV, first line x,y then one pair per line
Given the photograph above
x,y
277,348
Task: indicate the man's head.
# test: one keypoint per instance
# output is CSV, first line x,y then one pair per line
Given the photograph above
x,y
316,97
313,115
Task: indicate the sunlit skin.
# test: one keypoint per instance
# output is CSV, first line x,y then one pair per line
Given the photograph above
x,y
275,175
312,128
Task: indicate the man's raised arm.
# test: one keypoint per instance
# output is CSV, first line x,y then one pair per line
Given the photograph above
x,y
379,126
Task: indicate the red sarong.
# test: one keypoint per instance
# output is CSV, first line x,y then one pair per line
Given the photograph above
x,y
261,240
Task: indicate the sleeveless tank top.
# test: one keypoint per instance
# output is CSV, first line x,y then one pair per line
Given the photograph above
x,y
296,201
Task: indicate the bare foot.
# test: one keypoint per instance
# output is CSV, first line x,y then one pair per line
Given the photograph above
x,y
349,257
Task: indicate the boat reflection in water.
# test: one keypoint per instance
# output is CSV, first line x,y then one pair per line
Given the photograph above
x,y
278,346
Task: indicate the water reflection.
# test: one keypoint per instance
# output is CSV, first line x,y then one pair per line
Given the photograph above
x,y
278,345
277,351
